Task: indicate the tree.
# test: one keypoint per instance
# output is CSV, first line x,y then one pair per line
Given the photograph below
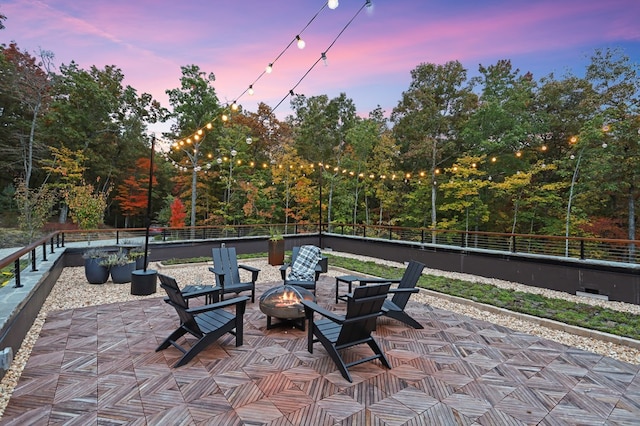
x,y
462,194
616,128
68,167
321,126
195,106
94,112
25,81
86,206
35,206
178,213
133,193
428,117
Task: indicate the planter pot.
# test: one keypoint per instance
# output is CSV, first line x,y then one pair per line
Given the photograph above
x,y
143,282
122,273
95,273
276,252
140,262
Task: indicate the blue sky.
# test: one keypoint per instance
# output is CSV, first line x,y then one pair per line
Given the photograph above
x,y
370,61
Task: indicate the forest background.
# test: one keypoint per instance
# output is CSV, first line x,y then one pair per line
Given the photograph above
x,y
502,151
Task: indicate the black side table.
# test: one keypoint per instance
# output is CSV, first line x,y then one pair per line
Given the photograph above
x,y
348,279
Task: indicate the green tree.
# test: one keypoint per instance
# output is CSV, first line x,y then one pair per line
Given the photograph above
x,y
196,109
25,86
614,170
94,112
68,168
320,127
428,118
462,194
87,206
35,206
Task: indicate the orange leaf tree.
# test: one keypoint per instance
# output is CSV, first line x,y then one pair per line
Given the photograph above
x,y
133,192
178,213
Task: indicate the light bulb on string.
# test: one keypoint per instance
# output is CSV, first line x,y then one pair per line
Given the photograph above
x,y
323,56
234,106
269,68
332,4
251,90
301,43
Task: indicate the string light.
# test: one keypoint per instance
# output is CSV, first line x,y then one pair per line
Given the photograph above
x,y
332,4
301,43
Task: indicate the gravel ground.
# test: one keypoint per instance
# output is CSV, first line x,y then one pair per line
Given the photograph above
x,y
72,291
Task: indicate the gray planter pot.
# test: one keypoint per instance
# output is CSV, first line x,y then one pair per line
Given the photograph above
x,y
94,272
122,273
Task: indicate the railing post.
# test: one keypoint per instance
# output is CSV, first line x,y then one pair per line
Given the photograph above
x,y
117,237
422,236
52,250
364,231
33,260
63,239
44,251
390,234
581,249
16,272
513,244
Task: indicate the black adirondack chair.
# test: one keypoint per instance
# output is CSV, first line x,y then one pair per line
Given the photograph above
x,y
337,332
206,323
394,307
227,271
309,284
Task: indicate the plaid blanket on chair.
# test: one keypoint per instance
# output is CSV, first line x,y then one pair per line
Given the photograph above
x,y
304,267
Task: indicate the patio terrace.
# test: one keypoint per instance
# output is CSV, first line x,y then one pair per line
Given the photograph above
x,y
98,365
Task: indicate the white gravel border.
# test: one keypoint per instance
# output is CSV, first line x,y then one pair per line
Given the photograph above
x,y
73,291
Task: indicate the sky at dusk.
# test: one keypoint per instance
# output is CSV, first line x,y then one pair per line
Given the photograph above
x,y
370,61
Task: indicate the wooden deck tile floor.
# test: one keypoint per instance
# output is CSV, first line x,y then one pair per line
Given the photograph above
x,y
98,365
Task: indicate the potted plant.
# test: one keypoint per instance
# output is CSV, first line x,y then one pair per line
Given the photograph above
x,y
120,267
276,247
95,272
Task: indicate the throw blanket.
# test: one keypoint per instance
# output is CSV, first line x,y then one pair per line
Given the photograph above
x,y
304,267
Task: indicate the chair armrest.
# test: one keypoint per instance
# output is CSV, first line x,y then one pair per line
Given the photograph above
x,y
249,268
283,270
365,281
404,290
218,305
254,271
312,306
218,273
203,292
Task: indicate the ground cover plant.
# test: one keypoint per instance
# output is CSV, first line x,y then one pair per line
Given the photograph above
x,y
565,311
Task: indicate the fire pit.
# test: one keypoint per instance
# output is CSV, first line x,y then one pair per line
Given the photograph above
x,y
283,302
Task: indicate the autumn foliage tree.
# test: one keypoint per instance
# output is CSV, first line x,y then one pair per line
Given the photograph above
x,y
132,194
178,213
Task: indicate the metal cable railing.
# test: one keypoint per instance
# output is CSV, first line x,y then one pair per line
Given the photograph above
x,y
580,248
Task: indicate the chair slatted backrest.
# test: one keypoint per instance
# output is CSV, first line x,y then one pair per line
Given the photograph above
x,y
409,280
179,303
225,259
363,309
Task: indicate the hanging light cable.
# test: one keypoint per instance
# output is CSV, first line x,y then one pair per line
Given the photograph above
x,y
297,39
323,55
